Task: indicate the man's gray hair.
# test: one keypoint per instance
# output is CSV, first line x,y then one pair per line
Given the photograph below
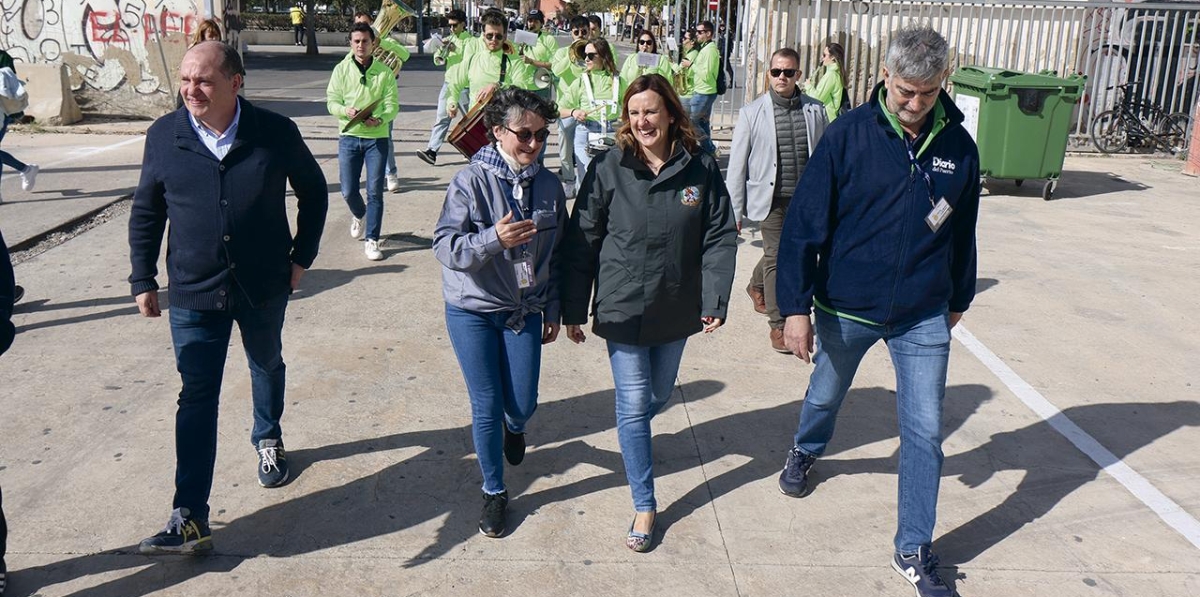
x,y
918,53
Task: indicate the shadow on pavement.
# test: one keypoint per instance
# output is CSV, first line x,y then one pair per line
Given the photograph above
x,y
1075,184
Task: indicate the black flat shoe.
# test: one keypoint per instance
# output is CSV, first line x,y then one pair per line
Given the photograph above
x,y
514,446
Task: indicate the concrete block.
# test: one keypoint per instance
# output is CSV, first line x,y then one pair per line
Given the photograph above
x,y
50,97
1192,166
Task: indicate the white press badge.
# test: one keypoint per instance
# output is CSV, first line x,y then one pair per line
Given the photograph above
x,y
523,268
939,214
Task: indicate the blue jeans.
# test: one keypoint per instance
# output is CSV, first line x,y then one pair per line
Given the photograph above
x,y
700,110
437,136
920,352
644,377
389,168
201,340
501,368
352,153
582,159
7,158
566,150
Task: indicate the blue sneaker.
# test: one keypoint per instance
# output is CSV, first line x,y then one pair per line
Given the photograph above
x,y
184,535
272,463
793,481
920,569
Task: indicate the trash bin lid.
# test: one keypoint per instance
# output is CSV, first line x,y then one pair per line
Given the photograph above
x,y
986,78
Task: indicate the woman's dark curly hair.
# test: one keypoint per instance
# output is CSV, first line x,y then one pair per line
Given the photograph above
x,y
508,104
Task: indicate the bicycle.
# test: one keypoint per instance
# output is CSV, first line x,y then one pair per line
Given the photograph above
x,y
1137,123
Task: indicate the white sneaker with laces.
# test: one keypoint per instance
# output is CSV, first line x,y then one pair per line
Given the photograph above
x,y
393,184
371,248
29,176
356,227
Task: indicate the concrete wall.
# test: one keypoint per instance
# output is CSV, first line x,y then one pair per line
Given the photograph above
x,y
122,56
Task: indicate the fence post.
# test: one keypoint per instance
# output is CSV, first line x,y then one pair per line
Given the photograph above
x,y
1192,166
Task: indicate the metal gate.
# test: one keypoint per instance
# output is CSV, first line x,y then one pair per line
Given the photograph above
x,y
1156,45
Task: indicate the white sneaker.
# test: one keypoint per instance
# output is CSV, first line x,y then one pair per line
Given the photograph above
x,y
29,176
371,248
356,228
393,184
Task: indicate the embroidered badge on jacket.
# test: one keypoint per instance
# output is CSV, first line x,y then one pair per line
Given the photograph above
x,y
690,196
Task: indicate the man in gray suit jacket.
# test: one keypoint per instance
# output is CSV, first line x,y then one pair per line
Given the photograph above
x,y
773,138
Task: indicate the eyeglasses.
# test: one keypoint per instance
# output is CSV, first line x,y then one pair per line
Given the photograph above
x,y
526,135
590,56
645,42
786,72
493,36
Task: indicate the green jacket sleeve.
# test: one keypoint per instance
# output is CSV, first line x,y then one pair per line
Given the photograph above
x,y
335,97
705,69
828,90
393,46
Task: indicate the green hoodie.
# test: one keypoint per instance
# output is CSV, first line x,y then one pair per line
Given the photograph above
x,y
828,90
576,97
349,87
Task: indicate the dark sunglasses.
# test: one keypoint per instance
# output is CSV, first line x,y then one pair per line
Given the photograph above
x,y
590,56
645,42
787,72
493,36
363,80
704,31
453,25
580,31
526,135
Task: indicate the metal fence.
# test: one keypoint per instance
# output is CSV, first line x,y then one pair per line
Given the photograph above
x,y
1156,45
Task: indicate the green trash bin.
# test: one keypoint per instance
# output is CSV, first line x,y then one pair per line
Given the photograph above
x,y
1020,121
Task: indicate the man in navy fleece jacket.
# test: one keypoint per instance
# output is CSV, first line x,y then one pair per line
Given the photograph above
x,y
218,170
880,238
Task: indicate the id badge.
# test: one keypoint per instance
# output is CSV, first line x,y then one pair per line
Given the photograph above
x,y
523,268
939,214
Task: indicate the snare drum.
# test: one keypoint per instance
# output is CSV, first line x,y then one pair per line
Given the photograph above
x,y
470,134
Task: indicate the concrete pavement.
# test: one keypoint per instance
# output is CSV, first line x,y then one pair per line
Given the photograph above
x,y
1087,300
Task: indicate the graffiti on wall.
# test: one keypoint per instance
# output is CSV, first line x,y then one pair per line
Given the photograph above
x,y
107,45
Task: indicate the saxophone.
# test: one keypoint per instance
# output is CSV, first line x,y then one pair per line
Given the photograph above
x,y
391,12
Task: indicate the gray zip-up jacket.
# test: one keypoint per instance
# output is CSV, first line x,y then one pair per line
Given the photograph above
x,y
658,250
478,273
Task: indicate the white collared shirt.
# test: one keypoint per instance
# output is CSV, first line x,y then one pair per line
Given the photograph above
x,y
218,145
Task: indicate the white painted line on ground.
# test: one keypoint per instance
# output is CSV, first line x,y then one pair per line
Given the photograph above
x,y
1166,508
91,151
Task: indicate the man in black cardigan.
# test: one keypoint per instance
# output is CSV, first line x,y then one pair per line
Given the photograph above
x,y
218,171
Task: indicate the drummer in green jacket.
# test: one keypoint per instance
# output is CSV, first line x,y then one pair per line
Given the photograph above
x,y
566,71
632,69
593,100
493,62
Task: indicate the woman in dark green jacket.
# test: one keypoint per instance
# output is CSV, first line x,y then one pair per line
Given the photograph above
x,y
652,238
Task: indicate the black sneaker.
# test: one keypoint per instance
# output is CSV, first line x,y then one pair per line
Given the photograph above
x,y
18,294
428,156
793,480
514,446
920,569
491,520
3,576
272,463
184,535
